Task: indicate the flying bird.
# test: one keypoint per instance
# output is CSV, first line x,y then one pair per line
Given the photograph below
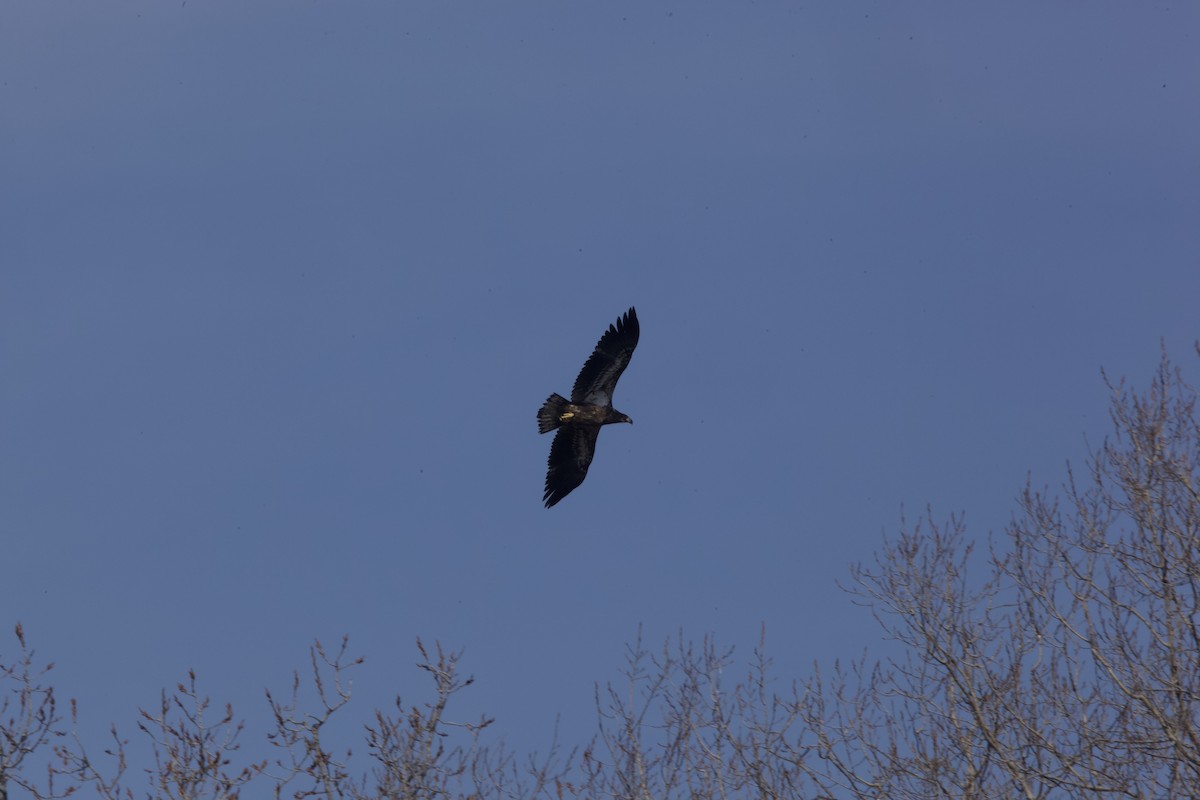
x,y
578,420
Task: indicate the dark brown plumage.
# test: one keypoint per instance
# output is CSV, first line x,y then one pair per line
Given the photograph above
x,y
578,420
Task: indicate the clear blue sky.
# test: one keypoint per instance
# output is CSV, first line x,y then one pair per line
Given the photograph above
x,y
282,286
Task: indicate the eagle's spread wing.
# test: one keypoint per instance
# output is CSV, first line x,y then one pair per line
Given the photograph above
x,y
570,456
599,375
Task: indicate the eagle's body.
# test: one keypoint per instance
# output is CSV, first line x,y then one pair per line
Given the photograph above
x,y
578,420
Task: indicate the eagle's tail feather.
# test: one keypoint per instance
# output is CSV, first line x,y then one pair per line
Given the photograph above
x,y
548,416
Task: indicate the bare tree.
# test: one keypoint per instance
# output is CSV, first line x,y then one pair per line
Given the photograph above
x,y
298,734
418,752
29,719
1061,660
674,728
1067,664
193,751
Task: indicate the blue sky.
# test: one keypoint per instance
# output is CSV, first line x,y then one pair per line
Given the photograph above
x,y
282,286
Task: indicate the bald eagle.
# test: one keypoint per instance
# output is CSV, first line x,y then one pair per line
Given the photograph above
x,y
578,420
